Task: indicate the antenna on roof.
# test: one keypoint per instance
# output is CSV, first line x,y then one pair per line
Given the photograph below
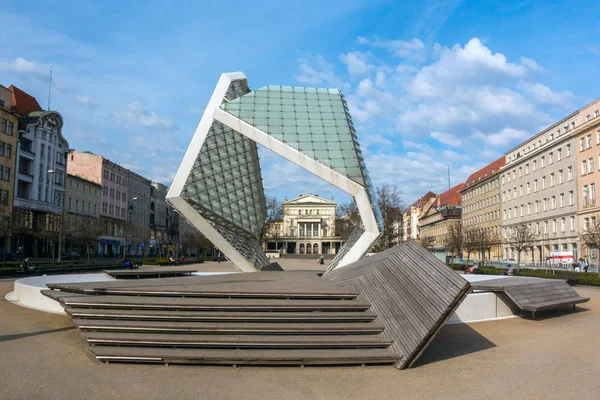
x,y
448,177
50,89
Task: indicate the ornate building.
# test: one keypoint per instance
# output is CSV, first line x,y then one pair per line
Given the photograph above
x,y
307,227
410,219
437,218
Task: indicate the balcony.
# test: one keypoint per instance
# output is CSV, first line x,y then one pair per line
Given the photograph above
x,y
25,176
26,153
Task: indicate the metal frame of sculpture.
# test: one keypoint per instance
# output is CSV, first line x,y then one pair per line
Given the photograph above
x,y
218,187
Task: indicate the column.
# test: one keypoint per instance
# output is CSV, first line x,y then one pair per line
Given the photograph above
x,y
312,232
320,233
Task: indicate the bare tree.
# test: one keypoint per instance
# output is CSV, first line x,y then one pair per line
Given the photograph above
x,y
391,206
470,242
274,213
520,238
50,230
6,230
128,228
347,218
88,232
591,237
427,241
454,238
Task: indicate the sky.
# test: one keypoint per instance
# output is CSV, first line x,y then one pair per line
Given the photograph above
x,y
430,85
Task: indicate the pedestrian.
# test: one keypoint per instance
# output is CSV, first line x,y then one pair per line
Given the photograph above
x,y
219,257
27,268
586,265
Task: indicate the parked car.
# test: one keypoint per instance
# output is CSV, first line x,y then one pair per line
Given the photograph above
x,y
71,255
10,256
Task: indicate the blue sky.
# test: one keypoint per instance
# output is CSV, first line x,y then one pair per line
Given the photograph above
x,y
431,84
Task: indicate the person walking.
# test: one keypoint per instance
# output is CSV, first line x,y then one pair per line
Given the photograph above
x,y
219,257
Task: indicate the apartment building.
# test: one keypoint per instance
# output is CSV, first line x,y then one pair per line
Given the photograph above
x,y
139,213
39,182
164,229
8,149
113,211
481,204
82,205
410,218
538,186
587,140
438,215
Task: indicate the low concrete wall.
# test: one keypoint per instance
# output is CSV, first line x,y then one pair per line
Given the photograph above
x,y
484,306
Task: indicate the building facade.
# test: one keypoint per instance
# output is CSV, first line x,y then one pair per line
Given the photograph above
x,y
307,227
587,140
437,218
138,214
39,184
481,205
83,199
164,229
410,218
114,201
8,150
538,186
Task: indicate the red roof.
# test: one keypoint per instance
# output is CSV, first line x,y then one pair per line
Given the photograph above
x,y
451,196
486,171
420,203
23,103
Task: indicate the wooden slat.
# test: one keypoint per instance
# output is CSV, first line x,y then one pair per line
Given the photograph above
x,y
243,357
227,327
411,291
208,304
235,341
215,316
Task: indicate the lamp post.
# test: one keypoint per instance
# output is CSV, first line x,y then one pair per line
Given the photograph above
x,y
62,220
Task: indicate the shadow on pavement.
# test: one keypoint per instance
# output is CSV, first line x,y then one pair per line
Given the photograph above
x,y
454,341
6,338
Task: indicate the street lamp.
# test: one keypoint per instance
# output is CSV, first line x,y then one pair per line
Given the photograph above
x,y
62,217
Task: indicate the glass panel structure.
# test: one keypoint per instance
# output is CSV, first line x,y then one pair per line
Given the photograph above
x,y
220,182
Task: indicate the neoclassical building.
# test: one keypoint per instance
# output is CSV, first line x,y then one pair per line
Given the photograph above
x,y
307,227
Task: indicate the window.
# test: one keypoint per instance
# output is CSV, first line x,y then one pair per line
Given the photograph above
x,y
535,185
69,203
5,195
3,127
527,169
591,165
568,150
83,206
543,182
570,173
582,144
521,190
6,173
534,165
598,137
589,140
520,172
76,205
586,193
537,206
560,176
553,202
592,193
551,158
596,113
572,223
571,198
528,188
554,227
584,167
542,161
545,204
562,199
559,154
515,193
545,226
552,180
588,117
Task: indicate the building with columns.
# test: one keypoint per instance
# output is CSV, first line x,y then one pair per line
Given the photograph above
x,y
40,181
307,227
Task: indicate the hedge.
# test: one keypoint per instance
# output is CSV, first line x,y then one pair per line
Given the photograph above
x,y
574,278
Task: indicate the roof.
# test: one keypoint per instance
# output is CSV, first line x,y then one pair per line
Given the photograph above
x,y
452,196
317,200
421,201
23,103
486,171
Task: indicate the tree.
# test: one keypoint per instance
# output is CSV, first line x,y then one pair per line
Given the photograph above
x,y
347,218
50,230
520,237
591,237
274,213
470,242
128,228
88,232
6,229
427,241
454,238
391,207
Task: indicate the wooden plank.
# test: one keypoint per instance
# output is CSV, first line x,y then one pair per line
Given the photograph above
x,y
243,357
214,316
235,341
208,304
228,327
411,291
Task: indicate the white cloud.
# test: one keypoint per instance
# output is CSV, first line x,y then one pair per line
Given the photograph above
x,y
316,71
18,65
356,62
532,64
446,139
86,101
543,94
413,49
135,117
